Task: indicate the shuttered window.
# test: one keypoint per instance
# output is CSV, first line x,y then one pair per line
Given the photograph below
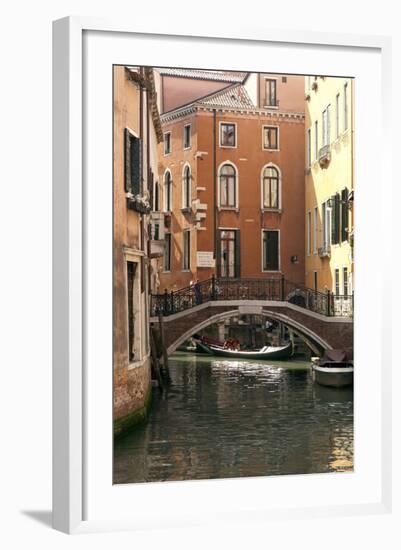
x,y
335,219
133,163
344,215
270,250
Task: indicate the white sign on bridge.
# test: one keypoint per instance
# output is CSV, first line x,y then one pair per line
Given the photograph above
x,y
205,259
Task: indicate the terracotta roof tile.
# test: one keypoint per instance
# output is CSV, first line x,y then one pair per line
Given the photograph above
x,y
222,76
235,97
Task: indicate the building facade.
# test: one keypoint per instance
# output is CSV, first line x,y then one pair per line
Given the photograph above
x,y
329,185
231,177
137,131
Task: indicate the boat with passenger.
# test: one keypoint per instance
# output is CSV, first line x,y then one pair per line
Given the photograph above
x,y
266,352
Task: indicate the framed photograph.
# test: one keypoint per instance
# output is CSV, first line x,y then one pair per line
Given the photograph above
x,y
221,347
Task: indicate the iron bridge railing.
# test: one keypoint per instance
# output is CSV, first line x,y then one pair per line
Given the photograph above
x,y
273,289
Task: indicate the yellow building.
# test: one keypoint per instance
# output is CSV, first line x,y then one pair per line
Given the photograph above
x,y
329,187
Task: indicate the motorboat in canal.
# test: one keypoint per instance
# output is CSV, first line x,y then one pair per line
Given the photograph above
x,y
267,352
335,368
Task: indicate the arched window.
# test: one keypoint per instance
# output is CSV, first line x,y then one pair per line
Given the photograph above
x,y
271,188
168,190
186,187
228,191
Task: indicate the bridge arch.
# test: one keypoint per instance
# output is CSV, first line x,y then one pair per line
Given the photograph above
x,y
311,338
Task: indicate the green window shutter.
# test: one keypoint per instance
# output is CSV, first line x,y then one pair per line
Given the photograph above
x,y
335,219
136,165
344,215
127,161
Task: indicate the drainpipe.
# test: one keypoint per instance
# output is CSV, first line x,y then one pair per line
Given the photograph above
x,y
149,182
214,189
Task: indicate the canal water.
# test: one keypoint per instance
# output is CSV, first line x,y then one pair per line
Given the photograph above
x,y
227,419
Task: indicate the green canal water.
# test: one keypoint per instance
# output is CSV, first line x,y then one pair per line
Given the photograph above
x,y
227,419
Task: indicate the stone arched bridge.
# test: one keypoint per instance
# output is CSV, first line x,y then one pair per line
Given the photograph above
x,y
324,321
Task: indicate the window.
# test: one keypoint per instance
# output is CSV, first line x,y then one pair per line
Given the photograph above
x,y
228,192
229,253
337,282
308,149
316,140
167,191
345,281
270,250
271,92
186,188
167,143
187,136
345,106
270,187
344,215
186,256
133,163
335,218
326,221
309,233
270,137
131,270
167,253
337,115
315,222
326,126
228,135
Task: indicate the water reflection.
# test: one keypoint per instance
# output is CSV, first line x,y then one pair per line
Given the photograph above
x,y
239,418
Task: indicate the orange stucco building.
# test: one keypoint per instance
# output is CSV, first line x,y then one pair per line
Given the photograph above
x,y
231,176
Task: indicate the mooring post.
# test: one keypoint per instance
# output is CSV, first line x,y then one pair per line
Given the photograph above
x,y
282,288
165,301
213,287
155,359
166,372
328,305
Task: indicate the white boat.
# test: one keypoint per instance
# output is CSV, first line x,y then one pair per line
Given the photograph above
x,y
335,369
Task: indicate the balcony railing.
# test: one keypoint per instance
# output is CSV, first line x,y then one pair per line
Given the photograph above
x,y
324,251
324,155
273,289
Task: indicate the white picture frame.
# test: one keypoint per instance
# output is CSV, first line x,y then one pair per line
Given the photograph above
x,y
76,39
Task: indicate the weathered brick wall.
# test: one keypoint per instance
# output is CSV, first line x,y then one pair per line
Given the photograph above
x,y
131,389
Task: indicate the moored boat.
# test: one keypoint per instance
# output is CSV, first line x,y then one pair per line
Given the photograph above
x,y
267,352
335,368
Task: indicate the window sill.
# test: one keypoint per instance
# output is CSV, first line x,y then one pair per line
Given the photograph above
x,y
138,363
186,209
271,271
275,210
270,106
187,148
276,150
185,271
228,146
229,208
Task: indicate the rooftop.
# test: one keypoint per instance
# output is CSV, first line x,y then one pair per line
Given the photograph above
x,y
203,74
